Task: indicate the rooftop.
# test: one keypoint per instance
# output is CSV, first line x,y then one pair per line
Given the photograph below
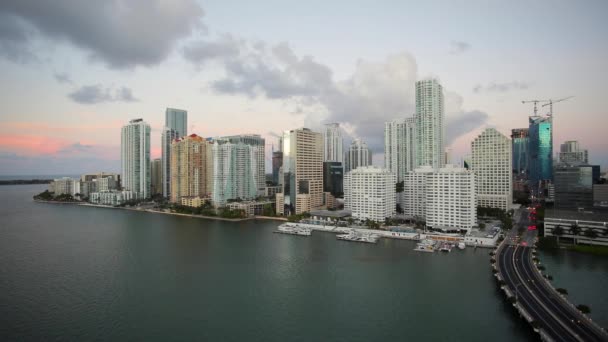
x,y
593,214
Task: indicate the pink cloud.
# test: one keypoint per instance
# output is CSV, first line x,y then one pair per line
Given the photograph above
x,y
31,144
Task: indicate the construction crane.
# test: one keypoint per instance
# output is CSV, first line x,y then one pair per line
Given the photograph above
x,y
536,102
551,102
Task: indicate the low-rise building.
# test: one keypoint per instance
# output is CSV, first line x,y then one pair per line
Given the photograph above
x,y
112,197
600,195
250,207
194,201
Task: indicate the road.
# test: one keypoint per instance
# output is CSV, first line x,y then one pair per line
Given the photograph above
x,y
555,316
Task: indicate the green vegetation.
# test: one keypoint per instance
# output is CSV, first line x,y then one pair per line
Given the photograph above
x,y
298,217
561,290
503,216
49,196
372,224
268,210
535,324
482,226
584,308
590,249
232,214
575,230
541,267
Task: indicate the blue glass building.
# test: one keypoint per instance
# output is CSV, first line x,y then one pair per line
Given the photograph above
x,y
540,149
520,140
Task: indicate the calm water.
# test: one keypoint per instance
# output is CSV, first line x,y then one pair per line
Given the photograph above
x,y
72,273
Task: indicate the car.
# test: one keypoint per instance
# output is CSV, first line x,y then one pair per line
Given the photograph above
x,y
532,227
524,243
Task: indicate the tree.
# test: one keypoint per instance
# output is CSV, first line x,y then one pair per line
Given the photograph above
x,y
399,187
584,308
482,226
558,231
590,233
575,230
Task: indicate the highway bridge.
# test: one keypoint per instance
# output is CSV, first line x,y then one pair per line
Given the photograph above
x,y
550,314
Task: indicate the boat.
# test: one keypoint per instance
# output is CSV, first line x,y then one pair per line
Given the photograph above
x,y
422,248
446,247
461,245
358,237
293,229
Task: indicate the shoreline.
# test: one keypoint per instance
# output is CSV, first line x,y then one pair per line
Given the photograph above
x,y
56,202
217,218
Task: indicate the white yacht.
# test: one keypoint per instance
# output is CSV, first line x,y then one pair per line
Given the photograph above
x,y
461,245
294,229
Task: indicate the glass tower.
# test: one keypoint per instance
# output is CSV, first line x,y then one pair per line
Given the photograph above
x,y
540,151
176,123
520,140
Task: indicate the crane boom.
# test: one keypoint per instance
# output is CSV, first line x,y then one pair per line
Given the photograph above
x,y
535,104
551,102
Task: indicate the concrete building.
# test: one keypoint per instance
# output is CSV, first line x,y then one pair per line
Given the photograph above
x,y
430,126
257,141
66,186
400,146
571,154
520,140
450,199
271,191
492,164
302,171
176,126
251,208
357,155
104,184
593,226
573,186
193,201
235,171
156,172
369,193
135,158
188,167
414,192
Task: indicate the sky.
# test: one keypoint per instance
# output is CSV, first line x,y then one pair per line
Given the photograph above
x,y
73,72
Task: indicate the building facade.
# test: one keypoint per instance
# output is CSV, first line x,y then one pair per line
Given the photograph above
x,y
357,155
573,186
369,193
188,168
332,143
540,149
571,154
430,126
112,197
135,158
156,174
259,143
592,226
277,162
235,171
520,140
176,126
450,199
302,171
414,192
491,163
333,178
400,146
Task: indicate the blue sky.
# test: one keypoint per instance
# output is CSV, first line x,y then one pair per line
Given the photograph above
x,y
73,73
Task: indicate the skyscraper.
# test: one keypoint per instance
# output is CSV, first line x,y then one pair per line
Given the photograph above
x,y
333,178
302,172
573,186
135,157
234,171
540,152
156,169
430,128
491,164
260,154
277,162
571,154
400,146
177,119
188,167
176,126
332,143
357,155
450,199
520,139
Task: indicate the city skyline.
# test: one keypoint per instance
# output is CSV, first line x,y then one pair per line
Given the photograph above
x,y
86,89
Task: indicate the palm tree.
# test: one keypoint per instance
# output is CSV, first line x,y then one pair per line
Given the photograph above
x,y
558,231
590,233
575,230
